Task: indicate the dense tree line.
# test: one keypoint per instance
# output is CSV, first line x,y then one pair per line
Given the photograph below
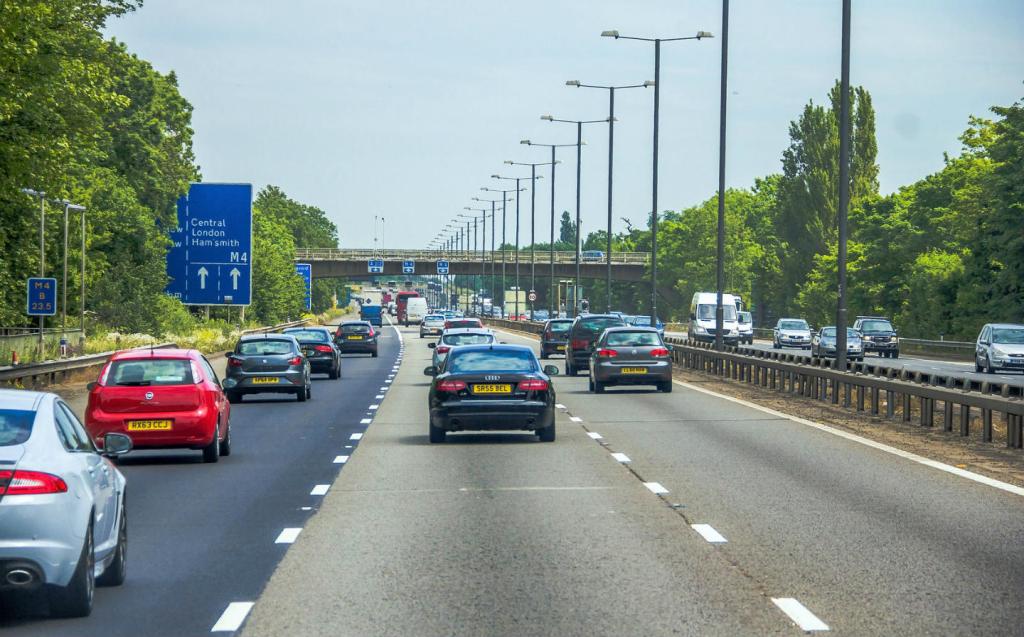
x,y
85,120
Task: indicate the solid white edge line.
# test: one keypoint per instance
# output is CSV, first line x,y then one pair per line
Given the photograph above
x,y
340,459
320,489
559,406
620,457
232,617
709,533
906,455
656,488
288,535
575,419
594,435
355,437
797,612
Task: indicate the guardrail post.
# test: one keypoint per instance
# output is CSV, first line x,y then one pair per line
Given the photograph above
x,y
847,389
947,415
860,397
890,403
986,425
874,400
907,407
1014,431
835,391
965,420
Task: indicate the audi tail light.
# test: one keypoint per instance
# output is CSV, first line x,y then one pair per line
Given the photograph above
x,y
452,386
659,352
607,353
533,385
30,483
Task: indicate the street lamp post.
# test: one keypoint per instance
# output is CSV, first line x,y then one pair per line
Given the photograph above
x,y
844,187
493,203
611,144
518,180
720,243
504,194
579,165
68,206
483,244
654,190
42,249
533,220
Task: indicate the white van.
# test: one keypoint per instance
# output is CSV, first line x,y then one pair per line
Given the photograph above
x,y
415,310
702,318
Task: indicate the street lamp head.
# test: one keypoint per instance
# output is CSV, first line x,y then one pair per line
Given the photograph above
x,y
610,34
548,118
575,83
524,141
495,176
509,162
704,34
649,83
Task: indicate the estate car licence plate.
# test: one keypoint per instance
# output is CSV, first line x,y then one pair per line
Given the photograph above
x,y
264,380
354,338
492,389
561,348
149,425
634,370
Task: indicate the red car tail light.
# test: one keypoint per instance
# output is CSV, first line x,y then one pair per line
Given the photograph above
x,y
295,361
659,351
30,483
234,362
326,349
533,385
452,386
607,353
371,334
580,343
103,376
443,349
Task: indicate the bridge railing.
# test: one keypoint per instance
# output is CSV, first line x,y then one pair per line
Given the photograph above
x,y
539,257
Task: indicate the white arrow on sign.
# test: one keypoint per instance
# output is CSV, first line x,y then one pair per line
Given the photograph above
x,y
234,278
203,273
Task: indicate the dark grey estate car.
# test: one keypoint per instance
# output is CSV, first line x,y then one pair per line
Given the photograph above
x,y
355,337
555,337
630,356
267,363
318,347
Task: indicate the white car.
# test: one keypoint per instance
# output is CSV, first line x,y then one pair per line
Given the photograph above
x,y
1000,346
62,504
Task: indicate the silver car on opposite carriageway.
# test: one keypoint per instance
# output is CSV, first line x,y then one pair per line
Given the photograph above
x,y
62,504
459,336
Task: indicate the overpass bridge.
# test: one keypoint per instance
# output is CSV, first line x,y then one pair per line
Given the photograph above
x,y
332,262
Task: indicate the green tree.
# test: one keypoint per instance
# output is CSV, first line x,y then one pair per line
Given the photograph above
x,y
278,292
567,230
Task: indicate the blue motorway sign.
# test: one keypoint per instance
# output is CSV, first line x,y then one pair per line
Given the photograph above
x,y
375,266
41,296
210,260
408,267
442,266
305,270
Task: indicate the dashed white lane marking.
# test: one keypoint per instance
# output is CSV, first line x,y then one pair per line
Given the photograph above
x,y
621,457
559,405
340,459
709,533
575,419
365,421
355,437
383,388
348,446
288,535
913,457
802,617
379,396
374,406
656,488
320,489
232,617
388,380
594,435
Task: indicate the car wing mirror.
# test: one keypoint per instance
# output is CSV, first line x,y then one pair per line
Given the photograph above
x,y
91,386
229,354
431,345
430,370
551,370
116,445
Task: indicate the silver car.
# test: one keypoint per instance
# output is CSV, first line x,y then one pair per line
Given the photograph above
x,y
459,336
432,324
791,332
62,504
1000,347
630,356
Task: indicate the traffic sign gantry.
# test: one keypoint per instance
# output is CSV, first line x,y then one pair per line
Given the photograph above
x,y
305,270
41,296
442,266
408,267
375,266
210,260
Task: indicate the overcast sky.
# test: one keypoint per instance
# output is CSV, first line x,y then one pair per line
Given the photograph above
x,y
405,108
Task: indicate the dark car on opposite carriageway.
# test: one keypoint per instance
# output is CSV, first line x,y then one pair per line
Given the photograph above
x,y
491,387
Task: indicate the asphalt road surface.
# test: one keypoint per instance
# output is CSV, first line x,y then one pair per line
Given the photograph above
x,y
652,514
202,536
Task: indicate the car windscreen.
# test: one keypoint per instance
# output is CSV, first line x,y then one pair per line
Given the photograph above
x,y
433,317
876,326
503,361
265,348
793,325
830,332
707,312
310,336
15,426
598,324
559,327
458,324
744,318
1008,335
632,339
355,328
150,371
468,339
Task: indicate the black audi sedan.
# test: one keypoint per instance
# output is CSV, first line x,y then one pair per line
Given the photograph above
x,y
492,387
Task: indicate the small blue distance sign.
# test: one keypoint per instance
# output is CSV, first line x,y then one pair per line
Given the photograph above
x,y
408,267
442,267
305,270
375,266
41,296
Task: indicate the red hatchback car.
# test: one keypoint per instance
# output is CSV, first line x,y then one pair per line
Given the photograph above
x,y
161,399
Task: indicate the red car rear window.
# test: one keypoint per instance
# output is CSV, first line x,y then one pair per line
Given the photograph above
x,y
150,371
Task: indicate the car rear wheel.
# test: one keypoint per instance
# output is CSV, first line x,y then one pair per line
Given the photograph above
x,y
437,434
116,571
665,386
569,369
599,387
211,452
225,445
374,354
234,397
988,366
547,434
75,599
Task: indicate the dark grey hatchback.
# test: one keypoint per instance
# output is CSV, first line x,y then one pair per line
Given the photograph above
x,y
630,356
267,363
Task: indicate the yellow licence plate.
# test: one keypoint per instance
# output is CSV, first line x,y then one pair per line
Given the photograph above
x,y
264,380
149,425
492,389
634,370
561,348
354,338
